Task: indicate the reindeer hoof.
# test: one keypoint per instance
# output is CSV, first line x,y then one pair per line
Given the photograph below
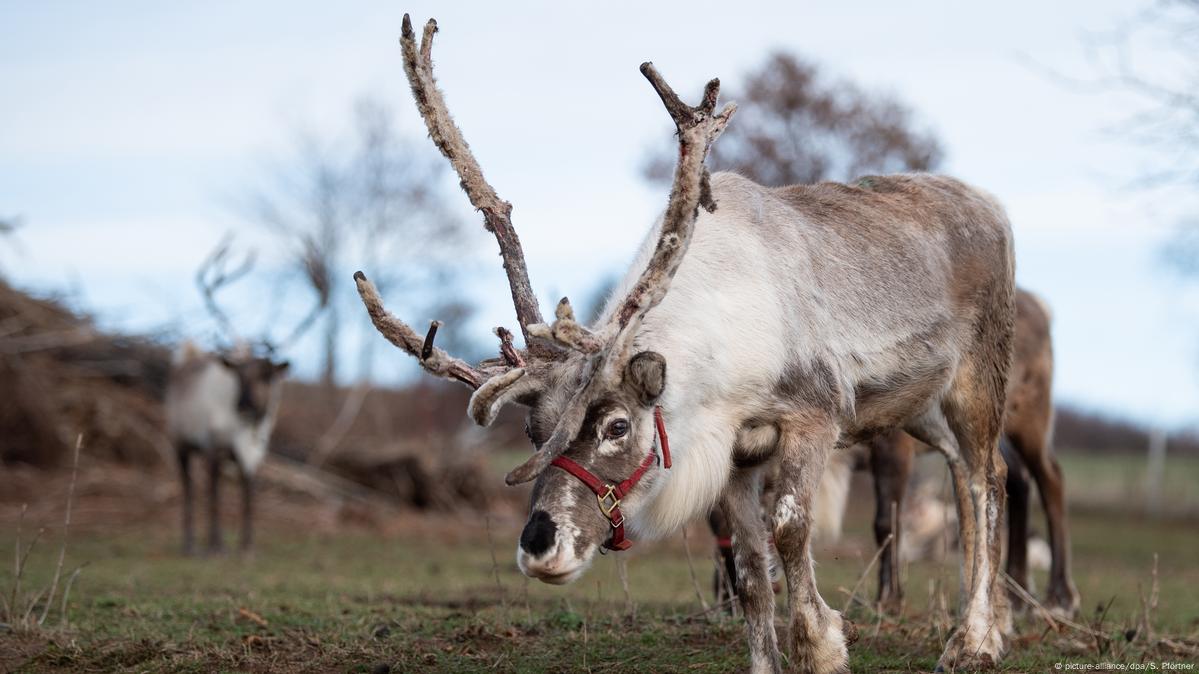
x,y
975,663
891,606
977,654
1063,603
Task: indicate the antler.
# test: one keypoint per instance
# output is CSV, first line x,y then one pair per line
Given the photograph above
x,y
496,380
418,65
567,332
697,128
434,360
214,274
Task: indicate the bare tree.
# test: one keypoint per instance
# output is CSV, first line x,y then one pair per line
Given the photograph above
x,y
307,209
798,126
377,199
1153,58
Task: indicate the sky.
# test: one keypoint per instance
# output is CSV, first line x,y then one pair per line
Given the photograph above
x,y
129,132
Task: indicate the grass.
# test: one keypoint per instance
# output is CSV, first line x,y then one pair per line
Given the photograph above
x,y
427,598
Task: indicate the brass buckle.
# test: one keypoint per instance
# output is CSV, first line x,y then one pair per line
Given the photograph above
x,y
607,509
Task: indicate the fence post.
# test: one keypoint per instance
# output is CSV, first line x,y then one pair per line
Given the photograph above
x,y
1155,471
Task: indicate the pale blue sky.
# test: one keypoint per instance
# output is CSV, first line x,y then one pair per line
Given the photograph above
x,y
127,132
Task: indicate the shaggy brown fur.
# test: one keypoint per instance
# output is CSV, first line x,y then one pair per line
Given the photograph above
x,y
1028,427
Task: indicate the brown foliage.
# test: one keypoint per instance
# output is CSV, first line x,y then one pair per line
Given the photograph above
x,y
60,376
413,445
795,126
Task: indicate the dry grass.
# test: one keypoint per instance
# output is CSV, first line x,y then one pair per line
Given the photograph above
x,y
441,593
19,609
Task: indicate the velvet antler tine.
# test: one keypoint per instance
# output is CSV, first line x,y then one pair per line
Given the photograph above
x,y
677,109
507,350
697,128
426,349
434,360
426,42
214,274
711,92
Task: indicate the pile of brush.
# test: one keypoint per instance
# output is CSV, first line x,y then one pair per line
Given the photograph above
x,y
61,376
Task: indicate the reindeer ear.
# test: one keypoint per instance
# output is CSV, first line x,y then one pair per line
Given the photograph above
x,y
512,386
645,376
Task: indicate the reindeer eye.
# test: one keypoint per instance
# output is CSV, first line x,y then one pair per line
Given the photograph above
x,y
617,429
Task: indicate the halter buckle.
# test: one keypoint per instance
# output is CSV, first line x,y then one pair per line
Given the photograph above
x,y
606,508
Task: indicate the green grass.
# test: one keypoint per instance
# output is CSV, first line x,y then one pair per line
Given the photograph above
x,y
428,599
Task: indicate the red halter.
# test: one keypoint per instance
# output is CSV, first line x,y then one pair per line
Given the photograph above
x,y
609,496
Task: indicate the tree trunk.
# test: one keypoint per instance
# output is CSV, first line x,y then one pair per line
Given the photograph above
x,y
329,372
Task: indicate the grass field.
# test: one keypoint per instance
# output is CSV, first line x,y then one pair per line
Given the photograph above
x,y
428,596
1096,481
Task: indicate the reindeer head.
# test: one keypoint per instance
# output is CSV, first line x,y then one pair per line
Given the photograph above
x,y
591,394
259,379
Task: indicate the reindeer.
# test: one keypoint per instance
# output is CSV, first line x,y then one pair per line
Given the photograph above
x,y
1028,428
761,326
223,405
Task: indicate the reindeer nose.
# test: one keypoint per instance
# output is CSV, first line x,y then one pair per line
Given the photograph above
x,y
539,533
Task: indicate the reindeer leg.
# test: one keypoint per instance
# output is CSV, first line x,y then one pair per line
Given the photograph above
x,y
891,459
742,508
215,544
973,411
247,507
1062,594
1017,542
184,453
818,639
725,574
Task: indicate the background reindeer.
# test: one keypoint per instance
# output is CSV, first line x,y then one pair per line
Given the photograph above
x,y
222,405
1028,430
801,319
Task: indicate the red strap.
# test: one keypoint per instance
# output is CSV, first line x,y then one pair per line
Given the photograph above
x,y
580,472
724,542
610,496
662,436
